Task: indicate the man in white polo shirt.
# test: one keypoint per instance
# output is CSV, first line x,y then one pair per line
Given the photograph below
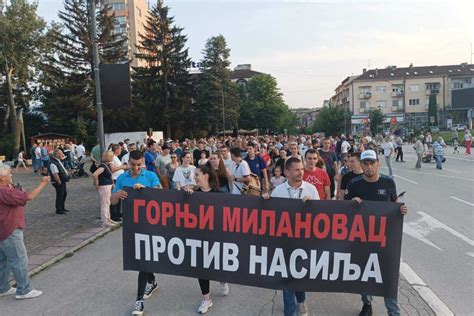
x,y
294,188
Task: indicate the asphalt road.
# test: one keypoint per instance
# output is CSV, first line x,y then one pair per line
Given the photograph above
x,y
438,232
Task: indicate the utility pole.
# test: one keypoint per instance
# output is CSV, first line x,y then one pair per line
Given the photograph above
x,y
98,96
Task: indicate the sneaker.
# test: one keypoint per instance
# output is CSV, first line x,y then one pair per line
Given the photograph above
x,y
109,224
138,308
224,289
301,309
204,307
366,310
11,291
31,294
150,288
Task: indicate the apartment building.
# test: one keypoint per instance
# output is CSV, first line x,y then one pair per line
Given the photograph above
x,y
403,95
130,18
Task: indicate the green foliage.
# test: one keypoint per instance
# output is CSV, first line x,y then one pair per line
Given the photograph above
x,y
376,118
6,146
432,110
263,106
21,39
214,87
67,85
161,86
331,120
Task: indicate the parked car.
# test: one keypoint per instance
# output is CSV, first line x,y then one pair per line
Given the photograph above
x,y
434,129
460,127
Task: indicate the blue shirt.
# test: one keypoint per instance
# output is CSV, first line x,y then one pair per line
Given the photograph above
x,y
150,158
257,165
147,178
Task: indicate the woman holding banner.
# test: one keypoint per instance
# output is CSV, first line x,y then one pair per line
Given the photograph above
x,y
207,181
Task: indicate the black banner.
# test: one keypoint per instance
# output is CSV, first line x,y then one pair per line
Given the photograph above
x,y
316,246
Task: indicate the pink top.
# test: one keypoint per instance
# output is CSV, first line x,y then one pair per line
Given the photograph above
x,y
12,211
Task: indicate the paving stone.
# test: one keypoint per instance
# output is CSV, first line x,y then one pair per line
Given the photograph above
x,y
38,259
82,235
69,242
54,250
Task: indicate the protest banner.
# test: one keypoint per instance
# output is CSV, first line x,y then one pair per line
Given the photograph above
x,y
320,246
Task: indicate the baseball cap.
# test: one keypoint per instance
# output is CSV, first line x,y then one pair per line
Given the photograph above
x,y
368,155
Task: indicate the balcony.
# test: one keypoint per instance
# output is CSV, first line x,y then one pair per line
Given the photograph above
x,y
365,95
363,110
397,94
429,91
397,108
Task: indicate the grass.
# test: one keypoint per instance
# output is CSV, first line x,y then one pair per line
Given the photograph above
x,y
447,137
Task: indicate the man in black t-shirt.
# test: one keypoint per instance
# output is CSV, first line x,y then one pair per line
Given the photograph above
x,y
356,170
371,186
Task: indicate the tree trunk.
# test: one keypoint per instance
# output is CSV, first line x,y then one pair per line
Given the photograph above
x,y
6,119
11,105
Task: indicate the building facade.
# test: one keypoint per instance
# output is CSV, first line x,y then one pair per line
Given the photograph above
x,y
403,95
130,19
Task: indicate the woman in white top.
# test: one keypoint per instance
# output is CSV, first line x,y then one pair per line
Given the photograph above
x,y
184,175
21,160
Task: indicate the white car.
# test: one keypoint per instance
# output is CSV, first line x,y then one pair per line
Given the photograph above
x,y
460,127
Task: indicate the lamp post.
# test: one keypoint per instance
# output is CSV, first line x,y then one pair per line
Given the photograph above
x,y
98,96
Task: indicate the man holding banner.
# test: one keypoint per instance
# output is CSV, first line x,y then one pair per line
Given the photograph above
x,y
294,188
138,178
373,187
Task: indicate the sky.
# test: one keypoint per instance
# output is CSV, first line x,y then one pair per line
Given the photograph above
x,y
311,46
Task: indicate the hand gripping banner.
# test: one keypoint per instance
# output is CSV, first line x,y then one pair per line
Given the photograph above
x,y
314,246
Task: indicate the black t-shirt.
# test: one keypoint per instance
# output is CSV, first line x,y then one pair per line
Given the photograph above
x,y
338,146
346,179
212,190
105,178
383,190
197,155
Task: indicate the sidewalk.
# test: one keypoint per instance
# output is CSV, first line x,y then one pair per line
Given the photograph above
x,y
92,282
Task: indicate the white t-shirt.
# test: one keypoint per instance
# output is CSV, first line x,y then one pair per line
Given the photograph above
x,y
125,159
387,147
345,146
80,151
20,157
38,152
228,163
239,171
184,176
286,191
54,169
116,163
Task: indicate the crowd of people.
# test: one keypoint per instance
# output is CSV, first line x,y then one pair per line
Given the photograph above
x,y
297,167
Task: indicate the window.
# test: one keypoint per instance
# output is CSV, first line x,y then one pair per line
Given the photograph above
x,y
414,87
432,86
397,103
364,89
397,89
117,6
381,89
139,12
414,101
381,103
457,85
364,105
120,19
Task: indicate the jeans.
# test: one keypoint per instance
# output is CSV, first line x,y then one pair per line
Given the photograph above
x,y
61,195
390,303
388,161
289,304
143,279
418,162
439,160
13,258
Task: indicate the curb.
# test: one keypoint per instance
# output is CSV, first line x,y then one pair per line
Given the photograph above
x,y
69,252
433,301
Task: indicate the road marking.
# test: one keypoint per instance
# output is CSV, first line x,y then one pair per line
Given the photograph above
x,y
436,304
462,201
408,180
455,171
434,174
420,228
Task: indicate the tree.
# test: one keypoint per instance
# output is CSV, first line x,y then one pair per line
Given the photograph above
x,y
262,106
163,81
215,93
21,38
330,120
433,109
67,85
376,118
